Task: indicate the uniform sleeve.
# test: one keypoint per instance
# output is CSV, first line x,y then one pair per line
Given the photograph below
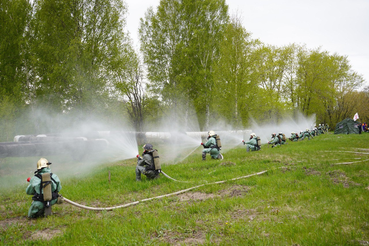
x,y
58,183
32,184
275,140
146,160
251,141
210,142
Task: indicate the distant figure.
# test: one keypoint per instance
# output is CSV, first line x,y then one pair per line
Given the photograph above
x,y
320,129
365,127
274,141
314,132
294,137
44,187
212,146
148,164
282,138
306,134
326,127
253,144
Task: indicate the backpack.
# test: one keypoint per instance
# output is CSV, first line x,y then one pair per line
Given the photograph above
x,y
282,137
218,142
156,162
258,141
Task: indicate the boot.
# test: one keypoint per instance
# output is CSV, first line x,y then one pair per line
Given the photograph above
x,y
138,175
204,156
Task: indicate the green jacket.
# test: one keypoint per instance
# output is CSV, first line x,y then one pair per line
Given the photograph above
x,y
211,143
35,183
274,140
211,147
146,160
252,141
294,137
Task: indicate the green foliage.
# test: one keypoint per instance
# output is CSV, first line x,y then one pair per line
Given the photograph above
x,y
307,197
234,86
74,56
180,43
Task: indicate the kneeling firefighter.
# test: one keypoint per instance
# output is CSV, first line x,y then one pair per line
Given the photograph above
x,y
212,146
44,187
253,144
148,164
275,140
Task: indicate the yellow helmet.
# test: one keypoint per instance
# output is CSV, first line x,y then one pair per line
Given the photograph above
x,y
42,163
211,133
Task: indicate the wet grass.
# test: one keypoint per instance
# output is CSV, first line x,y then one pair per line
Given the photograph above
x,y
306,198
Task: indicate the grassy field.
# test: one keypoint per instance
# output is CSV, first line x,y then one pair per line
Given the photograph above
x,y
313,193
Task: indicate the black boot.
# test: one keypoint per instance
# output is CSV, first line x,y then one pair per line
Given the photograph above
x,y
204,156
138,175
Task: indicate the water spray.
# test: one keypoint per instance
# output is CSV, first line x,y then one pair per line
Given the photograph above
x,y
188,154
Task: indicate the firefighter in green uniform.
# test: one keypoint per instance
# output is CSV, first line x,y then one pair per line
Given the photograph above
x,y
301,134
313,132
326,128
274,141
146,164
212,147
320,129
294,137
282,138
36,189
253,144
306,134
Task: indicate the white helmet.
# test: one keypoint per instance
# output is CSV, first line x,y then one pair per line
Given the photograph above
x,y
42,163
211,133
253,135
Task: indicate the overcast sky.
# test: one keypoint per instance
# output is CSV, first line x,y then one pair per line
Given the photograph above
x,y
337,26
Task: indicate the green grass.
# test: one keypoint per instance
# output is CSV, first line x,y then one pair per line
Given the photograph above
x,y
305,198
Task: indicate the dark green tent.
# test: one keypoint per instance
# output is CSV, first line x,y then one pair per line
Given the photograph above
x,y
348,126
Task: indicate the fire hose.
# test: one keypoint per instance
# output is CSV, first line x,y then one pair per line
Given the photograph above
x,y
157,197
166,175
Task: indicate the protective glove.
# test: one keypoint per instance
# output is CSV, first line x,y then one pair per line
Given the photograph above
x,y
29,179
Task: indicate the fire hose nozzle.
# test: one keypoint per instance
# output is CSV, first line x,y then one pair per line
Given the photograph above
x,y
29,179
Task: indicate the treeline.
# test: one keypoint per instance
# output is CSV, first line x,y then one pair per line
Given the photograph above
x,y
68,57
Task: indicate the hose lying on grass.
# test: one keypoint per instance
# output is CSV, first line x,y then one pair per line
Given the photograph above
x,y
157,197
166,175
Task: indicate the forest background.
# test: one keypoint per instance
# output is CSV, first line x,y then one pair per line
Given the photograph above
x,y
74,59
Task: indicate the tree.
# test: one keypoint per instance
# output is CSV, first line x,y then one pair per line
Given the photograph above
x,y
74,46
180,43
14,62
129,81
234,84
